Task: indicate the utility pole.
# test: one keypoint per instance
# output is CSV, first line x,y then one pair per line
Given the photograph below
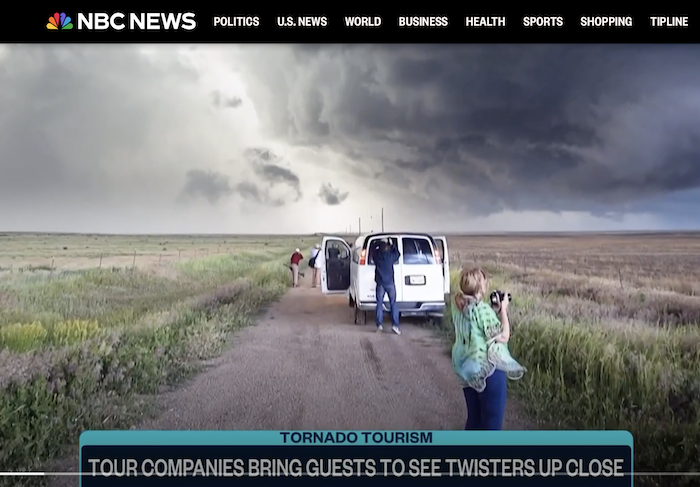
x,y
382,219
359,225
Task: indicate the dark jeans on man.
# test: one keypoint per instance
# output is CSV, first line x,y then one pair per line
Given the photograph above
x,y
485,410
391,292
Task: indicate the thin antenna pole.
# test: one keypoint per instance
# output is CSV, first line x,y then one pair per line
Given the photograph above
x,y
382,219
359,225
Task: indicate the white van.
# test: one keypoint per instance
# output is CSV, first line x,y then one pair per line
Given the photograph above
x,y
422,274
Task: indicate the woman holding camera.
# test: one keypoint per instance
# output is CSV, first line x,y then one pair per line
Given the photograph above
x,y
480,355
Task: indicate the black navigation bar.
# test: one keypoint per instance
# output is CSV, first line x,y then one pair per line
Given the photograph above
x,y
222,25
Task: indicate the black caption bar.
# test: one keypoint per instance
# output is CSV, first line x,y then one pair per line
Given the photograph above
x,y
88,24
386,466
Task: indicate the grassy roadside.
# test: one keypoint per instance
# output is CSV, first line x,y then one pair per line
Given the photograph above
x,y
588,372
78,350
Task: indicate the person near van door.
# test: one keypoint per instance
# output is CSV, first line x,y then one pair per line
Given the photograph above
x,y
385,256
294,266
480,355
319,263
312,263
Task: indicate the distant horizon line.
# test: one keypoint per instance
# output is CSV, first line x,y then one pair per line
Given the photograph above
x,y
317,234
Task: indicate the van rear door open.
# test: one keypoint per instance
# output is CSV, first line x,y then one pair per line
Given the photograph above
x,y
368,286
445,256
422,276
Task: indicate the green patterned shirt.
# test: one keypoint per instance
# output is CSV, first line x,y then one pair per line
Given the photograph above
x,y
475,354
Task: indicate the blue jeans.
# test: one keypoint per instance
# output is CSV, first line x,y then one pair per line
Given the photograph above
x,y
391,292
485,410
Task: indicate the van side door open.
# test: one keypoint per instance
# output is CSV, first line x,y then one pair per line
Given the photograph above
x,y
335,273
445,256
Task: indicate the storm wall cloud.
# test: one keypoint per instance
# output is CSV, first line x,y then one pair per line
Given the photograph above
x,y
274,176
133,138
209,185
332,196
516,127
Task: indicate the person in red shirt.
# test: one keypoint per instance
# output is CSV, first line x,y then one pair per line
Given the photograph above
x,y
294,266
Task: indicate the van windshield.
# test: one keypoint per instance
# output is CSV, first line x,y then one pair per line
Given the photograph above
x,y
417,251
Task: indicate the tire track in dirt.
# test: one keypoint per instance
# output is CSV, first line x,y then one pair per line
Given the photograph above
x,y
307,366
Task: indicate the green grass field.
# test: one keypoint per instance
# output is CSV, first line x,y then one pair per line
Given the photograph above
x,y
88,332
605,351
83,348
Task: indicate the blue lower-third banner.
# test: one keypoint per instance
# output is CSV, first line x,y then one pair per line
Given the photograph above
x,y
366,458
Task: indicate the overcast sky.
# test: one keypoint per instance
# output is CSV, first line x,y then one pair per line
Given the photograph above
x,y
301,139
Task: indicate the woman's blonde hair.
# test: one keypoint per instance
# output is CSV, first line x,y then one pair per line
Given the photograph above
x,y
472,282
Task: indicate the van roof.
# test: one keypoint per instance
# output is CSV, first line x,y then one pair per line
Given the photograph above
x,y
389,234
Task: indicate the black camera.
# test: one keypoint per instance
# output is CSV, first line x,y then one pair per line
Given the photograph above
x,y
498,296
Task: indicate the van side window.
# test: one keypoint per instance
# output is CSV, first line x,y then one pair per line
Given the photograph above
x,y
441,251
417,251
336,251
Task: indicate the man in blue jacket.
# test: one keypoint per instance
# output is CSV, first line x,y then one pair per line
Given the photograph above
x,y
385,256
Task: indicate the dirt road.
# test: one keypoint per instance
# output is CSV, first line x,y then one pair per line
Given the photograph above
x,y
307,366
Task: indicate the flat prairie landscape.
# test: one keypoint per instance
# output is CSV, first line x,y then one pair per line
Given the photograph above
x,y
93,326
32,252
664,261
608,326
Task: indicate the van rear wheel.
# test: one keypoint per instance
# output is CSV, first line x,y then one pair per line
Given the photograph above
x,y
360,316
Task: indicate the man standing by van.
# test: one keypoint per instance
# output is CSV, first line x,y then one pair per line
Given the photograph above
x,y
294,266
385,256
312,263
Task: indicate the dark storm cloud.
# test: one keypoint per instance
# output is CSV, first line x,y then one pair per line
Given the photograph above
x,y
276,174
252,192
104,136
221,101
332,196
210,185
214,186
498,127
267,166
273,184
91,126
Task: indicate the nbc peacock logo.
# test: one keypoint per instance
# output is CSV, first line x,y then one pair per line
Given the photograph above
x,y
59,22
